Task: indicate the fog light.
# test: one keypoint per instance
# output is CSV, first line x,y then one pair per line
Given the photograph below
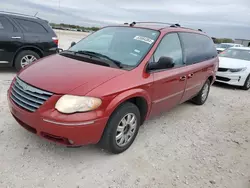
x,y
71,141
239,78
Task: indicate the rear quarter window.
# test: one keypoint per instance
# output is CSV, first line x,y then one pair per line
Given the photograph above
x,y
31,27
5,25
197,47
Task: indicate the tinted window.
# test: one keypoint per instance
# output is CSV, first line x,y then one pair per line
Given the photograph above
x,y
170,46
197,48
5,25
32,27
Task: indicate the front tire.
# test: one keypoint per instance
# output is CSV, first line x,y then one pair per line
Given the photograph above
x,y
247,83
202,96
121,129
25,58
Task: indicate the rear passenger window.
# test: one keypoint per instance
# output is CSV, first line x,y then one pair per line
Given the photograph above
x,y
170,46
5,25
197,48
31,27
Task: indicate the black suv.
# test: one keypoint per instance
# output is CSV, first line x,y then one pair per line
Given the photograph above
x,y
24,39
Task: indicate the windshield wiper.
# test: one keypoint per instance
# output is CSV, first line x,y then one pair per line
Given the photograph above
x,y
99,55
67,52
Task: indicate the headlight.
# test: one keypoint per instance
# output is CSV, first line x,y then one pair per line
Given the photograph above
x,y
70,104
238,70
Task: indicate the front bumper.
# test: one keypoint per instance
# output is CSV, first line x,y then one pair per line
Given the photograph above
x,y
236,79
72,130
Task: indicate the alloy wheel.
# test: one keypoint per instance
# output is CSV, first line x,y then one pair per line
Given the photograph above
x,y
126,129
205,92
28,59
248,82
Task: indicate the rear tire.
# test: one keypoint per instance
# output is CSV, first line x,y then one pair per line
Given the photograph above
x,y
247,83
202,96
121,129
24,58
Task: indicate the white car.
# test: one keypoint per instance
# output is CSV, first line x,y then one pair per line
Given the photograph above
x,y
223,46
234,67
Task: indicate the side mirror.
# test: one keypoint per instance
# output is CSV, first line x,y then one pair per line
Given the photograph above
x,y
163,63
72,44
59,50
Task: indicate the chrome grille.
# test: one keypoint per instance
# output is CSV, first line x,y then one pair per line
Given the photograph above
x,y
222,78
27,96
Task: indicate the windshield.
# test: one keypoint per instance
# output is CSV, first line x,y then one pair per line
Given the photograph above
x,y
225,46
123,44
236,54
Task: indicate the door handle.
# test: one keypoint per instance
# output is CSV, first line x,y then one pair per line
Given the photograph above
x,y
15,37
183,78
190,75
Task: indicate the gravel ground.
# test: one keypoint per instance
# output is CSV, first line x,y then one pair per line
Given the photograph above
x,y
190,146
66,37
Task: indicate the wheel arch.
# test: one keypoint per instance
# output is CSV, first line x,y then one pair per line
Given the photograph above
x,y
27,47
211,78
138,97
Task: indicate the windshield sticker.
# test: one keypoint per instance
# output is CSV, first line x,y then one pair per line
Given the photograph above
x,y
133,54
144,39
137,51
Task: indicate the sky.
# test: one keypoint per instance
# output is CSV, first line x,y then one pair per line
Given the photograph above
x,y
218,18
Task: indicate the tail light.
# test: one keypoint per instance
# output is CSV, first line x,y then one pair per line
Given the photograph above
x,y
55,40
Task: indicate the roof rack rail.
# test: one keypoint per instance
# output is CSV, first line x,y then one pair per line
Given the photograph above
x,y
18,14
175,25
163,23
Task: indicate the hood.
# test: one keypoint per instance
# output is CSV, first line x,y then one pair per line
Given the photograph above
x,y
233,63
59,74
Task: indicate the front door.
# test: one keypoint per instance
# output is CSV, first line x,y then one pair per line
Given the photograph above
x,y
10,40
169,84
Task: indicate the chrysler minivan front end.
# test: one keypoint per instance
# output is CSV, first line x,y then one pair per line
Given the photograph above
x,y
54,117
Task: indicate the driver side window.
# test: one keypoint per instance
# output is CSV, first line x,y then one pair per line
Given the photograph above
x,y
170,46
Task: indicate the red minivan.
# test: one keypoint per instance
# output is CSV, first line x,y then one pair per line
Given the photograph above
x,y
104,87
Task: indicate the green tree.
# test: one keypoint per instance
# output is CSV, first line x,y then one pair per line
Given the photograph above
x,y
74,26
223,40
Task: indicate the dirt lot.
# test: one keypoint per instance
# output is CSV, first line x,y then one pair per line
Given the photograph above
x,y
66,37
190,146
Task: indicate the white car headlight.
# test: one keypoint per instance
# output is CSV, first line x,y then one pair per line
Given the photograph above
x,y
70,104
238,70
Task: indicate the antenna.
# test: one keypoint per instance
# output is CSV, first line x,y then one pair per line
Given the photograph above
x,y
35,14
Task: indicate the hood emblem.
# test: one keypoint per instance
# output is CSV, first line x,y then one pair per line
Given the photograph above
x,y
26,87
